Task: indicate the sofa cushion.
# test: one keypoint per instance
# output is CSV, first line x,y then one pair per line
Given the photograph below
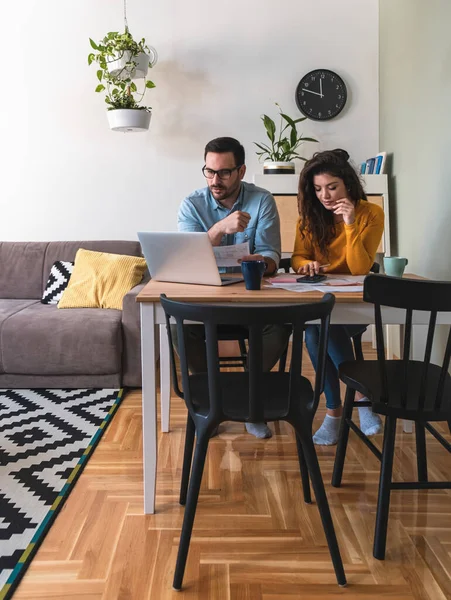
x,y
57,282
101,279
42,340
67,251
21,265
9,307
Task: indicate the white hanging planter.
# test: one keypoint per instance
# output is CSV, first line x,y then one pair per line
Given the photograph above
x,y
129,119
122,68
278,168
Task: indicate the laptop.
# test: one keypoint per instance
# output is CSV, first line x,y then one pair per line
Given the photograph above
x,y
182,257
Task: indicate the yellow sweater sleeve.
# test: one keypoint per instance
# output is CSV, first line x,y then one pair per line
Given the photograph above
x,y
303,251
362,241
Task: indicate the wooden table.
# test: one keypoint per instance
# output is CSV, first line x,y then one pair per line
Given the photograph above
x,y
349,309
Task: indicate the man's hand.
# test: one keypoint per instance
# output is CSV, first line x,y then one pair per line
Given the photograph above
x,y
233,223
271,268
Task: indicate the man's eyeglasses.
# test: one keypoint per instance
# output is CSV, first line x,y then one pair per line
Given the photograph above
x,y
222,173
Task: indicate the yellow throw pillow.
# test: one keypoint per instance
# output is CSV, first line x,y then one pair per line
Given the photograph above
x,y
101,280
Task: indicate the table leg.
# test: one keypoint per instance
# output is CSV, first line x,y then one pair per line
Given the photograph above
x,y
165,379
149,404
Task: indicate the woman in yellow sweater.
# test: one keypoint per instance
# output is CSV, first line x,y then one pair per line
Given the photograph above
x,y
337,227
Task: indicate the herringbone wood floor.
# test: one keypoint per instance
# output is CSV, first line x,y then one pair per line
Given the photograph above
x,y
254,538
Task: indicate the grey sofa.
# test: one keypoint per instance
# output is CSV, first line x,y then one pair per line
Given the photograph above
x,y
42,346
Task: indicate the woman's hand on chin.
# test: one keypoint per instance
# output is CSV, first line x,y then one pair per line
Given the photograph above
x,y
345,208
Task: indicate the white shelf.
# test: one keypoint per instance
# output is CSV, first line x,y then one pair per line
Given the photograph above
x,y
375,184
278,184
288,184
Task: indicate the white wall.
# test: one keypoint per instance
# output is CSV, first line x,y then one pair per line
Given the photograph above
x,y
415,80
415,126
65,175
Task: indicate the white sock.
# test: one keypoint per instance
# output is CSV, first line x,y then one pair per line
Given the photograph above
x,y
370,423
260,430
327,434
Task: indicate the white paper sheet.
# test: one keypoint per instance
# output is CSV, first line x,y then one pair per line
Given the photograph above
x,y
342,288
309,287
294,287
227,256
334,283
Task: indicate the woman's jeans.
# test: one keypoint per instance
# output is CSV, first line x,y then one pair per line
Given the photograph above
x,y
339,349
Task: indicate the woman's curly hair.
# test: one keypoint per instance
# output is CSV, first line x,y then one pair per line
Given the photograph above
x,y
316,220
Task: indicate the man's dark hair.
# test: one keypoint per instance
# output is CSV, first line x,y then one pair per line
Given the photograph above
x,y
226,144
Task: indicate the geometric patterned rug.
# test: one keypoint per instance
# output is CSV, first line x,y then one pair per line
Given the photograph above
x,y
46,438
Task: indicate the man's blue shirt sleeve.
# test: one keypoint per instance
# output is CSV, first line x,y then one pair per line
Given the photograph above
x,y
267,235
188,217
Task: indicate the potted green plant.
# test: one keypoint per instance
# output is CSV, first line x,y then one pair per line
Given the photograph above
x,y
284,145
120,61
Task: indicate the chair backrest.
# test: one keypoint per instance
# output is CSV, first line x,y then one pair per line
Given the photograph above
x,y
375,267
417,377
255,319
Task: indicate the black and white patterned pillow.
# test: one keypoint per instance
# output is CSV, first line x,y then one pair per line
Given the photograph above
x,y
58,279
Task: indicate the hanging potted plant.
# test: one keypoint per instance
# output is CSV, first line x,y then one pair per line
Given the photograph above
x,y
122,56
283,147
121,60
118,67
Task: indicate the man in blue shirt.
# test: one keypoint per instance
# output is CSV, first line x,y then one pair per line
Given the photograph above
x,y
232,211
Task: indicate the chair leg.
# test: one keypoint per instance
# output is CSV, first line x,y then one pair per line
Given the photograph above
x,y
304,472
343,437
283,361
420,438
243,353
357,341
383,500
187,458
323,506
190,509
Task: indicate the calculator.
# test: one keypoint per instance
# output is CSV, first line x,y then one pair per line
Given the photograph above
x,y
311,278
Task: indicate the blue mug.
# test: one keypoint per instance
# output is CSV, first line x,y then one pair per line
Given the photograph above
x,y
253,272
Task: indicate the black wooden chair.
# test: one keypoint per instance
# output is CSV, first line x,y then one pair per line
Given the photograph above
x,y
249,396
419,391
357,338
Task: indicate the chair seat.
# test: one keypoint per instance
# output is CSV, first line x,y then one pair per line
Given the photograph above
x,y
235,390
364,376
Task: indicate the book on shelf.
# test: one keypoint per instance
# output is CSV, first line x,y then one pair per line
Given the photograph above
x,y
370,166
381,160
374,165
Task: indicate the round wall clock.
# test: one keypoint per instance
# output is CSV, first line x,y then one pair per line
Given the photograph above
x,y
321,95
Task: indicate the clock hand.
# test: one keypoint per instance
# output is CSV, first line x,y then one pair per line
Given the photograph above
x,y
311,92
321,87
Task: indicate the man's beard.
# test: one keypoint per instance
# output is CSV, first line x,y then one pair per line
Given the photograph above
x,y
222,193
219,192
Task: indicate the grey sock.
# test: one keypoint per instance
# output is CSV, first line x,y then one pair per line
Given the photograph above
x,y
327,434
370,423
260,430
